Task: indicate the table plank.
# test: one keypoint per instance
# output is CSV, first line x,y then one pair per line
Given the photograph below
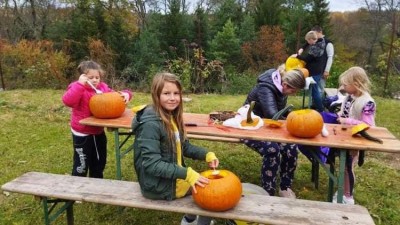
x,y
342,139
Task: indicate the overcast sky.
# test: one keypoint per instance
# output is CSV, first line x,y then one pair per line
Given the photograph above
x,y
344,5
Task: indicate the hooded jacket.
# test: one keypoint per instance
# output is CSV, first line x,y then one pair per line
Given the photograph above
x,y
267,94
155,158
77,97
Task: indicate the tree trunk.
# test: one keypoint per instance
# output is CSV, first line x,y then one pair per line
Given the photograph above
x,y
385,87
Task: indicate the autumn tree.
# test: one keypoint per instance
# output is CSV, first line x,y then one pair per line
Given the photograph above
x,y
267,51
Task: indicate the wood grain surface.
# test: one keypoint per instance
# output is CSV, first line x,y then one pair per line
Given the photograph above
x,y
255,208
342,139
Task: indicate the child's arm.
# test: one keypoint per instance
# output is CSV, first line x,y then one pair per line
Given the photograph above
x,y
367,116
126,94
72,96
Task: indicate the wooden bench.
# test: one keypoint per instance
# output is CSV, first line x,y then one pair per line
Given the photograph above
x,y
53,188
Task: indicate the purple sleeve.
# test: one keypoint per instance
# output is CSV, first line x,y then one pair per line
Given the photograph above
x,y
368,115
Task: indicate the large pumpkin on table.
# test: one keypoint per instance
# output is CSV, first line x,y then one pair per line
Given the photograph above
x,y
222,193
304,123
107,105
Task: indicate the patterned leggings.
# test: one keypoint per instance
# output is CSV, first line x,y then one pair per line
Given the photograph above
x,y
275,156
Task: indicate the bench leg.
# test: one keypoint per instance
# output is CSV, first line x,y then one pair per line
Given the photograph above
x,y
315,173
331,182
50,204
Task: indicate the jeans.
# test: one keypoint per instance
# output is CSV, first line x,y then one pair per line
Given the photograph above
x,y
316,94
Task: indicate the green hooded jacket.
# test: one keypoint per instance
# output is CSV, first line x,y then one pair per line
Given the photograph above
x,y
155,157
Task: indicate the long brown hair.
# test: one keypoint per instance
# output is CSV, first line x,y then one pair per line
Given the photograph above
x,y
157,86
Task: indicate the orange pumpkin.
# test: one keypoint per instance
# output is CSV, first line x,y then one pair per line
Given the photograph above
x,y
305,72
304,123
107,105
223,192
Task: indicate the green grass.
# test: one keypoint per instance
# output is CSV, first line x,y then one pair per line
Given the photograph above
x,y
35,136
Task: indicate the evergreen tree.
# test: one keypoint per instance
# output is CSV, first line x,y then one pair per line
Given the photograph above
x,y
268,12
247,30
147,53
320,15
175,30
297,23
201,27
225,10
226,45
81,27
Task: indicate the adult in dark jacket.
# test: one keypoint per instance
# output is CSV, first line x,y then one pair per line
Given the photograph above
x,y
270,96
315,64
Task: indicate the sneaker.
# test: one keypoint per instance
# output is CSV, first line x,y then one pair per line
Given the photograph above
x,y
348,200
185,222
288,193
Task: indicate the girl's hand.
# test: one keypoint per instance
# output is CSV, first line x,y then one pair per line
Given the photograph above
x,y
202,182
341,120
294,56
125,96
213,164
83,79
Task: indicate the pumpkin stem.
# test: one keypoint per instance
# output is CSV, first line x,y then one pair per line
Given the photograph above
x,y
249,119
282,111
369,137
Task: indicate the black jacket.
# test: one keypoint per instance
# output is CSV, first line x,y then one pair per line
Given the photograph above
x,y
314,58
269,100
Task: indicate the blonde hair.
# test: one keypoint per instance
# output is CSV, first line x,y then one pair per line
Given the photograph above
x,y
85,66
357,77
311,35
157,86
294,78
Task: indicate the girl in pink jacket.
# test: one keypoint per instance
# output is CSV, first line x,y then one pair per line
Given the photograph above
x,y
89,142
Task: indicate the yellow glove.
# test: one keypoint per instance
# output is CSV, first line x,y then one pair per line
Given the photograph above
x,y
191,176
210,157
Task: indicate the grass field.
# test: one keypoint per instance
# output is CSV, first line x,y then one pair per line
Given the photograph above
x,y
35,136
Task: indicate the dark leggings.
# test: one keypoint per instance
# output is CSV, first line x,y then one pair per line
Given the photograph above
x,y
90,155
276,156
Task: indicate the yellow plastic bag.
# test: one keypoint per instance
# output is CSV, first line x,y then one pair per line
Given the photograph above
x,y
294,63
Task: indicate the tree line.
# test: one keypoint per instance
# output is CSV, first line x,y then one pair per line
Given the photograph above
x,y
215,46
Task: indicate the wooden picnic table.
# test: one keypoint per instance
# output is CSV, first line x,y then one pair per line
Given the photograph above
x,y
338,138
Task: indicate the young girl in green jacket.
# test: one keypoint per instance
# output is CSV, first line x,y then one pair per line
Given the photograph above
x,y
161,145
